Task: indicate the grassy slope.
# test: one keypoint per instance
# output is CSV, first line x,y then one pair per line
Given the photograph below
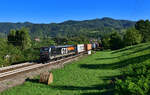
x,y
89,76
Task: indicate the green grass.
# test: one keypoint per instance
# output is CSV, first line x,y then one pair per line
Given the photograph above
x,y
91,75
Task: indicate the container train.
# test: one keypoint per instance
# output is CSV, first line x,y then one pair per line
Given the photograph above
x,y
56,52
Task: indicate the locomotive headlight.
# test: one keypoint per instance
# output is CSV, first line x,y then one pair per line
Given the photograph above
x,y
62,51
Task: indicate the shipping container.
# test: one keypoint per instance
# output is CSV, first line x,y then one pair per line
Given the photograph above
x,y
93,46
80,48
89,52
88,47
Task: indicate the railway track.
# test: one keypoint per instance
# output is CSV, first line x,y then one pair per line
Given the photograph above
x,y
14,67
7,72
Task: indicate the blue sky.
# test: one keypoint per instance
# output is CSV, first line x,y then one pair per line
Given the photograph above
x,y
48,11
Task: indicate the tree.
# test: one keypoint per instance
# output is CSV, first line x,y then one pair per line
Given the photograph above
x,y
132,37
144,29
115,41
20,38
25,38
106,43
12,37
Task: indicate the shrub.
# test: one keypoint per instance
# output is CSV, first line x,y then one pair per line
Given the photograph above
x,y
135,81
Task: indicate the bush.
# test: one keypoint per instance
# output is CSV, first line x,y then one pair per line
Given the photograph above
x,y
136,80
31,54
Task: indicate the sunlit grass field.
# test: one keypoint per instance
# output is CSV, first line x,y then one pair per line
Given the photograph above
x,y
91,75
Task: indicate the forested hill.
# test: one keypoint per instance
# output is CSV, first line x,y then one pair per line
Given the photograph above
x,y
70,28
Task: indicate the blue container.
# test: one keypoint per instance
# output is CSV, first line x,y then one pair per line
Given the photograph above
x,y
93,46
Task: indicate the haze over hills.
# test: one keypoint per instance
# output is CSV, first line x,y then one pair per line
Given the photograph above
x,y
70,28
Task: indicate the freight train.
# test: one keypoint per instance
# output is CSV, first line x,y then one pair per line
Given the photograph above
x,y
56,52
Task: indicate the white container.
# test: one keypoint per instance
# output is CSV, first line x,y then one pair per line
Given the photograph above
x,y
89,52
80,48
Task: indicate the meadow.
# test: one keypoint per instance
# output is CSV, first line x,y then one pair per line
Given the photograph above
x,y
91,75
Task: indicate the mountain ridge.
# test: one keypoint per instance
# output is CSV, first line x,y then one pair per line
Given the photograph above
x,y
70,27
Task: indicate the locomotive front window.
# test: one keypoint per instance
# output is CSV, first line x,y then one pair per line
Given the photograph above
x,y
44,49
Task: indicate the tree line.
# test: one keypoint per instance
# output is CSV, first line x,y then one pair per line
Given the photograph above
x,y
132,36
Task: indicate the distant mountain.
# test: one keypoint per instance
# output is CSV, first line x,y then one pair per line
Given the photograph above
x,y
71,28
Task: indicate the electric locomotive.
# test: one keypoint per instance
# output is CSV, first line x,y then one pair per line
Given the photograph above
x,y
56,52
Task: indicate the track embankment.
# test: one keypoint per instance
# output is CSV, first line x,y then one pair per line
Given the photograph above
x,y
16,75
